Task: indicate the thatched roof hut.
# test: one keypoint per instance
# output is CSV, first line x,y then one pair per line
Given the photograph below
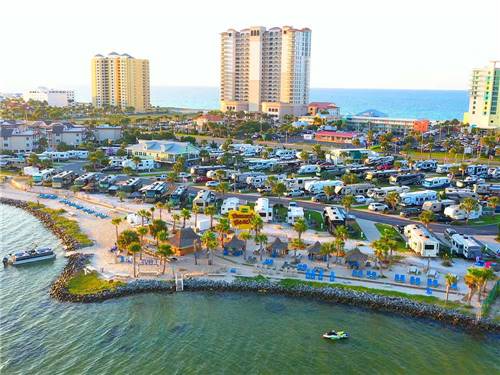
x,y
234,244
183,241
278,247
314,249
355,258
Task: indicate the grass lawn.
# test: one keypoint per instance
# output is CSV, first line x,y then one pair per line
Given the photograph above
x,y
90,283
394,234
71,227
485,220
354,231
290,283
441,156
315,220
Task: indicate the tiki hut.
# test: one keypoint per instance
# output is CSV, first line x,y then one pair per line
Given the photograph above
x,y
183,241
278,248
234,245
313,251
355,258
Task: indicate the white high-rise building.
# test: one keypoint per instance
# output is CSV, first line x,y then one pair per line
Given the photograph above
x,y
53,97
266,70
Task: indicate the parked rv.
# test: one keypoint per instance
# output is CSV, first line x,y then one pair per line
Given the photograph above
x,y
294,213
308,169
459,194
229,204
315,187
445,168
354,189
425,165
143,165
467,246
487,189
63,179
381,175
264,209
155,192
436,182
204,198
421,240
456,213
477,170
407,179
42,176
380,193
417,198
333,217
437,206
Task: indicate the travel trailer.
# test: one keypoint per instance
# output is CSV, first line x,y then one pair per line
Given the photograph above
x,y
63,179
261,164
229,204
294,213
308,168
407,179
264,209
315,187
106,182
421,240
285,154
477,170
456,213
354,189
333,216
487,189
259,181
201,170
78,154
381,175
85,179
204,198
297,183
437,206
417,198
129,186
115,163
155,192
332,170
143,165
242,177
425,165
445,168
436,182
380,193
467,246
459,194
43,175
379,160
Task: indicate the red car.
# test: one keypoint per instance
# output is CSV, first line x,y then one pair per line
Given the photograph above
x,y
202,179
384,167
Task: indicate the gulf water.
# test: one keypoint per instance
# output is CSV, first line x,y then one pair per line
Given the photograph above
x,y
201,333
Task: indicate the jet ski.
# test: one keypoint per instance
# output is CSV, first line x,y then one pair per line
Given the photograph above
x,y
335,335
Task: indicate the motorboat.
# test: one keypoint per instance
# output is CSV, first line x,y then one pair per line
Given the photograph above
x,y
335,335
30,256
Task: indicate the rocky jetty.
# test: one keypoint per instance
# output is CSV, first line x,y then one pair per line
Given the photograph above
x,y
70,244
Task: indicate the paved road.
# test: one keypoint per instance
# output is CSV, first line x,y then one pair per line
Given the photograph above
x,y
366,215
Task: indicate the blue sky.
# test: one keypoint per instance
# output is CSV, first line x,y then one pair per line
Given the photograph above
x,y
426,44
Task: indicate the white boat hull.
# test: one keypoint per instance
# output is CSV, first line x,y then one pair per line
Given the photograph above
x,y
33,260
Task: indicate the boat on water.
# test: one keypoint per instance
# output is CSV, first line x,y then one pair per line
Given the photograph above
x,y
29,256
335,335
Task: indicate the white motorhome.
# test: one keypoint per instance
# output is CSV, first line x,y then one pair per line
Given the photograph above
x,y
445,168
380,193
466,246
315,187
417,198
229,204
242,177
421,240
259,181
437,206
264,209
308,168
204,198
43,175
425,165
54,155
494,172
78,154
456,213
285,154
294,213
490,189
261,164
459,194
436,182
297,183
143,165
226,173
477,170
354,189
30,171
116,162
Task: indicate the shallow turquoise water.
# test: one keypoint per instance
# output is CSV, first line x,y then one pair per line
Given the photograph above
x,y
209,333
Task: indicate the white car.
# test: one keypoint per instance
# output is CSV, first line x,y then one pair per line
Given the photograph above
x,y
294,193
183,175
361,199
374,206
212,184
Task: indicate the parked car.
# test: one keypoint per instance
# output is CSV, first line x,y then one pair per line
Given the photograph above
x,y
294,193
321,197
264,189
448,232
212,184
184,175
202,179
410,212
375,206
361,199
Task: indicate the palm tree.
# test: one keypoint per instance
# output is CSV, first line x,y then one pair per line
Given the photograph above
x,y
176,218
300,227
211,211
257,224
471,282
342,232
326,249
169,205
223,188
209,240
339,244
162,235
261,240
160,206
143,214
116,221
279,189
469,205
329,191
347,202
244,236
186,215
426,217
392,199
450,280
484,275
222,228
164,251
493,202
136,160
134,248
380,249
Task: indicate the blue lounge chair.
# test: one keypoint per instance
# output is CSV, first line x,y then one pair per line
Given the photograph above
x,y
402,278
412,280
369,274
332,276
396,277
360,273
428,291
435,283
429,282
417,281
454,286
353,274
320,275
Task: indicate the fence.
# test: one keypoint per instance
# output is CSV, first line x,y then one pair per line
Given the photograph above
x,y
490,299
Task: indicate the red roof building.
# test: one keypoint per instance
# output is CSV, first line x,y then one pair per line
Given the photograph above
x,y
315,107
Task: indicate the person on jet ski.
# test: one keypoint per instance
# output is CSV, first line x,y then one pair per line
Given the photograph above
x,y
332,333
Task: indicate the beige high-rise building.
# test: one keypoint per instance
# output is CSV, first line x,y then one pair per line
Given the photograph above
x,y
121,81
266,70
484,97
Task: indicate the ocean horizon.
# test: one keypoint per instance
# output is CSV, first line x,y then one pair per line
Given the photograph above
x,y
400,103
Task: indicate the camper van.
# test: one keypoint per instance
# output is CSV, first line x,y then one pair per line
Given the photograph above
x,y
42,176
425,165
204,198
456,213
379,194
445,168
308,169
421,241
407,179
229,204
354,189
333,216
417,198
437,206
264,209
487,189
315,187
155,192
467,246
436,182
63,179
